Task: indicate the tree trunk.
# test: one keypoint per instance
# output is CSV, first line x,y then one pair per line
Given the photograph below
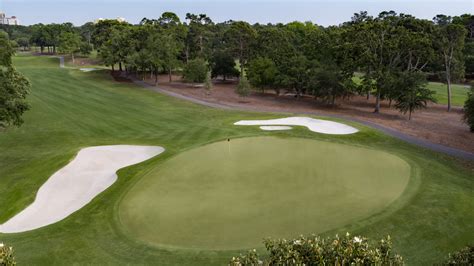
x,y
113,68
156,78
169,75
390,103
447,64
377,103
409,115
72,57
120,66
368,95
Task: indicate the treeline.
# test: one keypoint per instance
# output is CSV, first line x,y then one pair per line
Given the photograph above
x,y
393,54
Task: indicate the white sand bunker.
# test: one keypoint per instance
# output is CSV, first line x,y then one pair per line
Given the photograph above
x,y
87,69
315,125
73,186
275,128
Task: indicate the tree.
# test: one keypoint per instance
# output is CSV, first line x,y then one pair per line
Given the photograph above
x,y
70,43
316,250
208,83
195,70
14,87
198,37
223,64
243,88
6,255
413,93
169,51
24,43
378,44
240,35
330,83
262,73
450,44
469,109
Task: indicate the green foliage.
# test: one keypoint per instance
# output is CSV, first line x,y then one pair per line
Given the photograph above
x,y
262,73
465,256
195,71
239,35
331,83
14,87
315,250
243,88
6,256
85,48
69,43
412,93
223,64
469,109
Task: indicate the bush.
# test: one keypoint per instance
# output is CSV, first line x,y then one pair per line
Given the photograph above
x,y
315,250
464,256
243,88
195,71
469,109
6,256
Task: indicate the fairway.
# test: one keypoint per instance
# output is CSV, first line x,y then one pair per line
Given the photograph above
x,y
428,214
232,194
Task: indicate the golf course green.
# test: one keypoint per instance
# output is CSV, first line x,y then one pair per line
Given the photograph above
x,y
232,194
180,207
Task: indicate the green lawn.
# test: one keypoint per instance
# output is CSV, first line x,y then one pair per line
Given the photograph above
x,y
260,187
71,110
459,92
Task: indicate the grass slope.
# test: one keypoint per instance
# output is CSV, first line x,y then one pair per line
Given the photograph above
x,y
71,110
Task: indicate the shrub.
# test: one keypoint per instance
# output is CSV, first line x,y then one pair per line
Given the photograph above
x,y
465,256
315,250
208,83
195,71
6,255
243,88
469,109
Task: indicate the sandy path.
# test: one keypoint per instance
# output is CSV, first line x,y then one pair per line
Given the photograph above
x,y
92,171
315,125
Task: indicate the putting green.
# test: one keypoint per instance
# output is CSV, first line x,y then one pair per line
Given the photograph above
x,y
231,195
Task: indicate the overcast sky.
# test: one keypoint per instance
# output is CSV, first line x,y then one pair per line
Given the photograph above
x,y
322,12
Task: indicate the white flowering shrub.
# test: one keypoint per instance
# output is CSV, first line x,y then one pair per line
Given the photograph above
x,y
465,256
6,255
315,250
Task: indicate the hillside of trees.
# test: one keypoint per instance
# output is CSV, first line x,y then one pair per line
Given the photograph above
x,y
394,54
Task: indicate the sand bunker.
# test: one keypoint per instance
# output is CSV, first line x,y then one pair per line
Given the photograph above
x,y
315,125
73,186
87,69
275,128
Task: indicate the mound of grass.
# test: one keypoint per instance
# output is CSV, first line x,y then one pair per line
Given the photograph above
x,y
238,192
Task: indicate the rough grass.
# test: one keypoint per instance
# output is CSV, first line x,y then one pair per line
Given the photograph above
x,y
71,110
